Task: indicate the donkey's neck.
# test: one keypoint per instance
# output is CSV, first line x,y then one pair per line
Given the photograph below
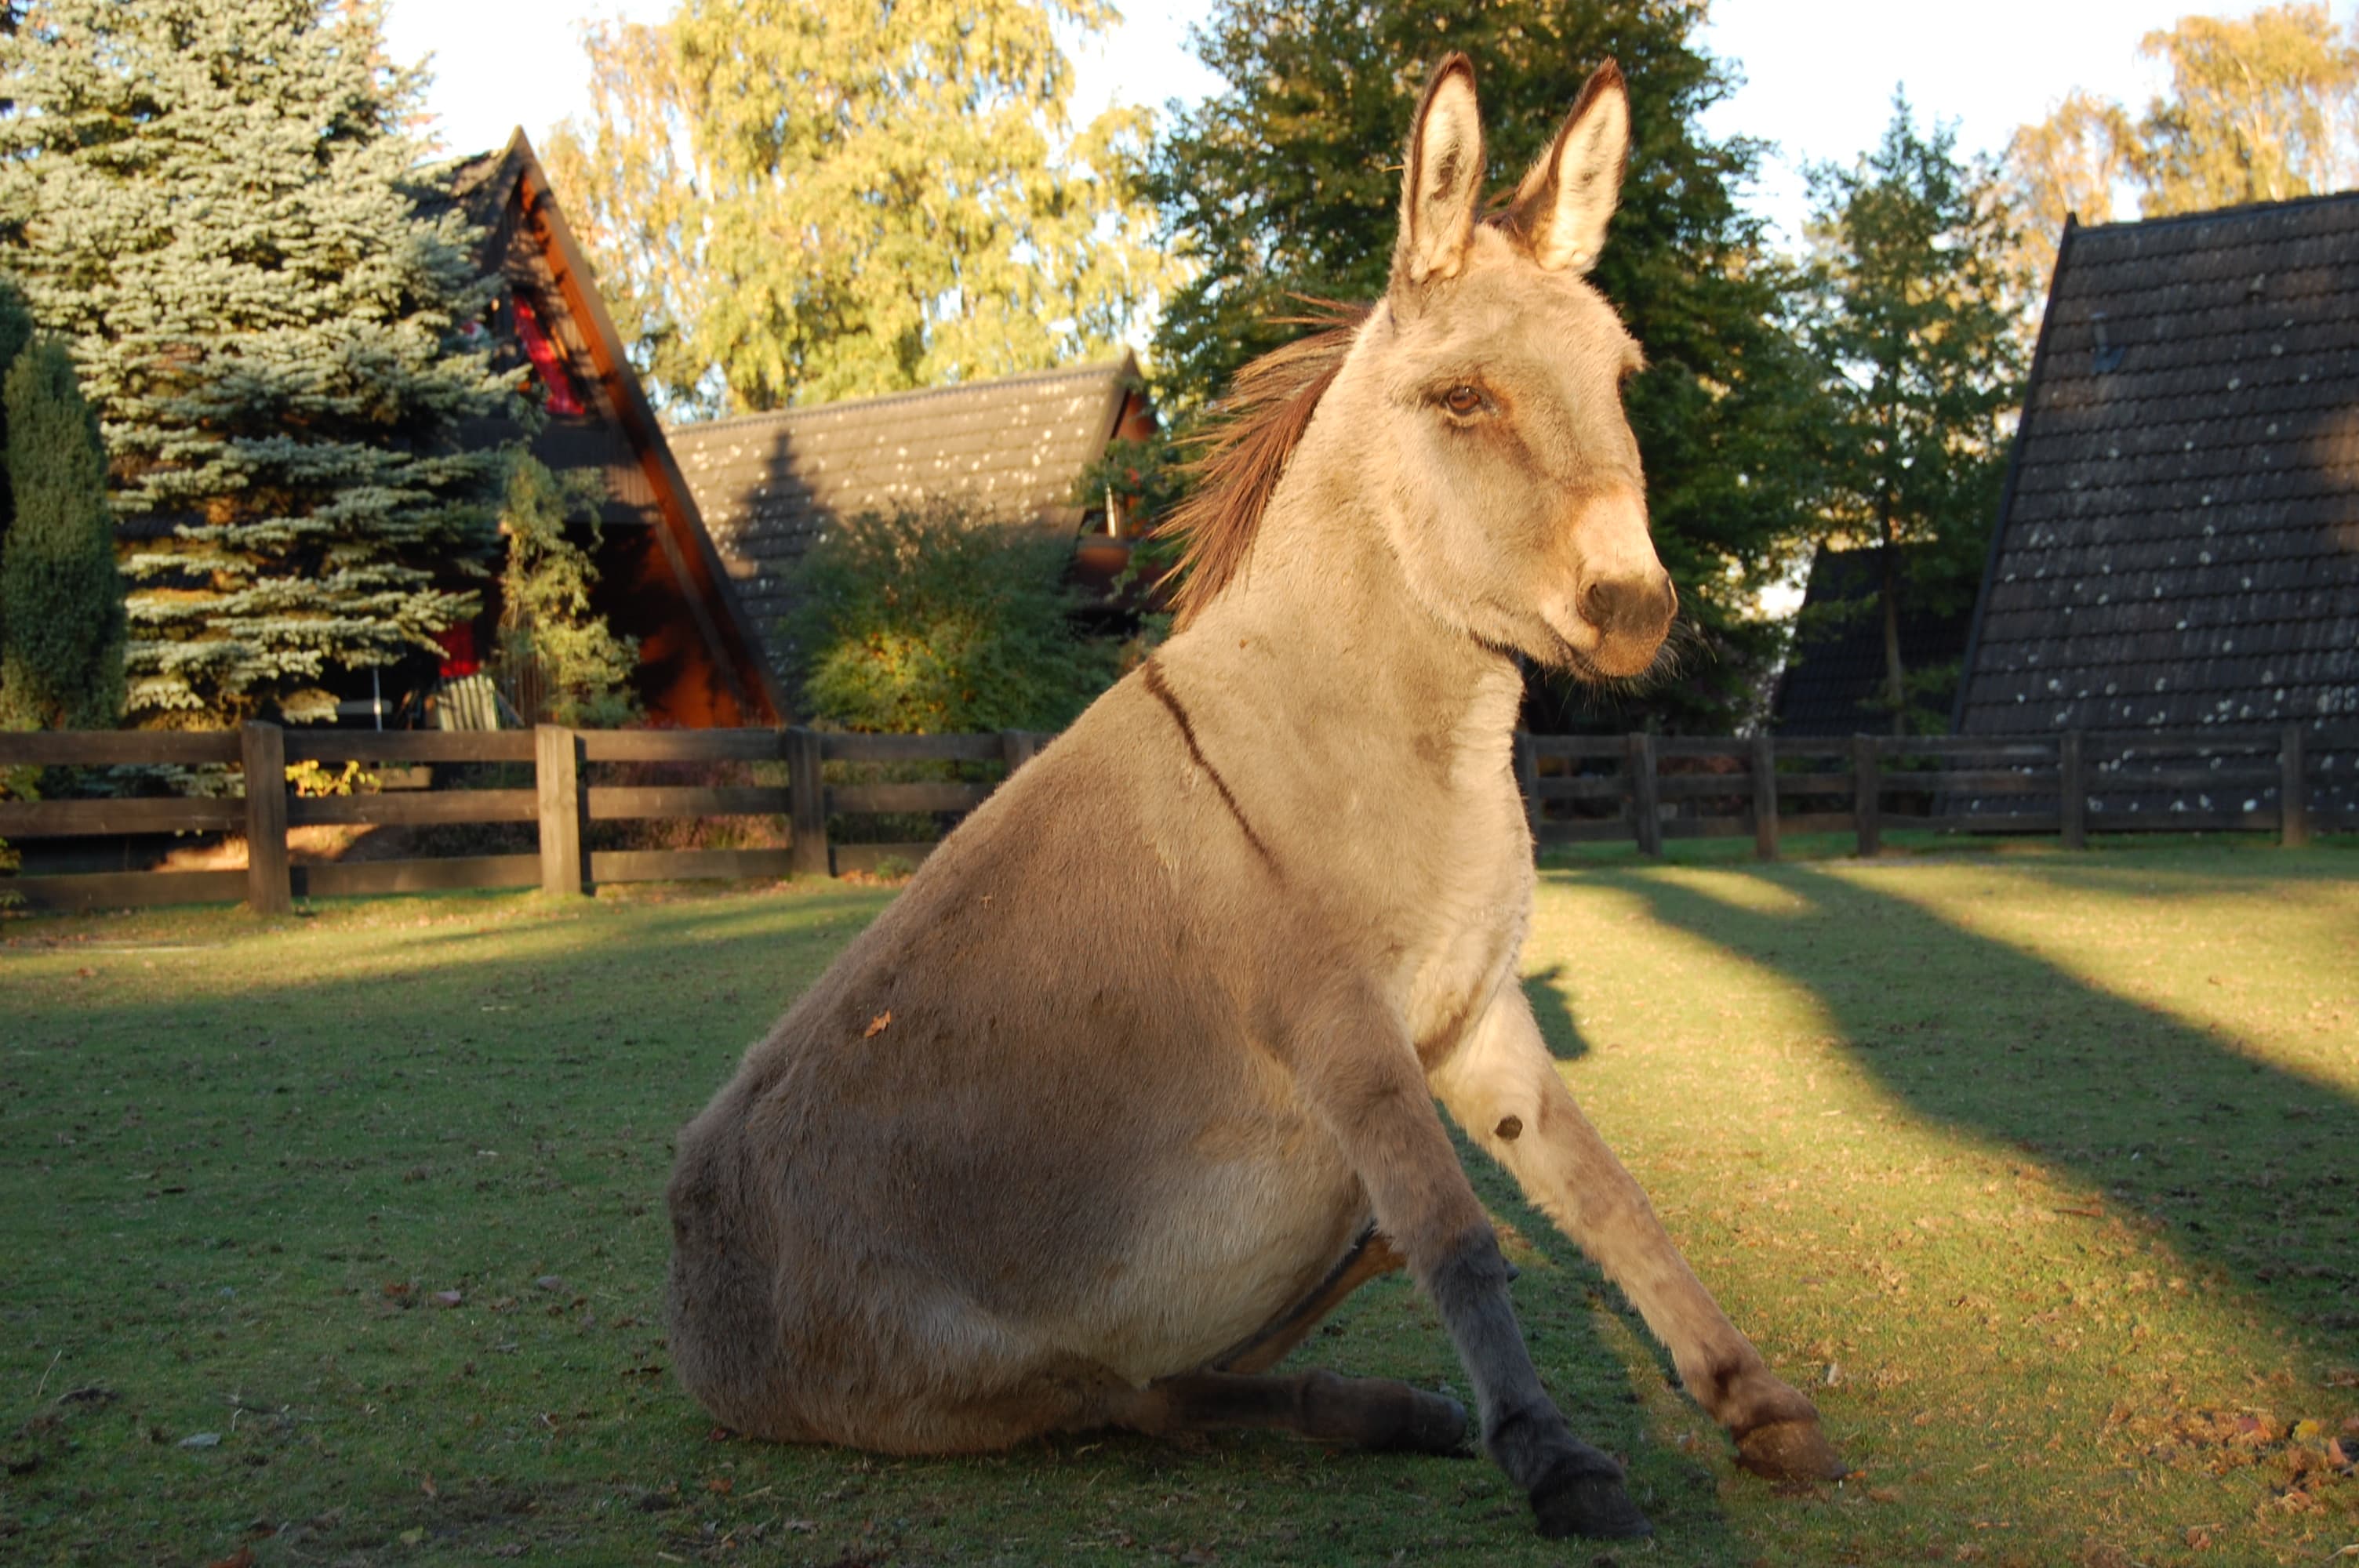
x,y
1324,621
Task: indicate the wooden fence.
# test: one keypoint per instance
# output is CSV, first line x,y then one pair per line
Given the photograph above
x,y
2289,781
1642,787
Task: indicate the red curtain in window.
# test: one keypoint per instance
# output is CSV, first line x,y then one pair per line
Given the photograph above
x,y
459,656
546,360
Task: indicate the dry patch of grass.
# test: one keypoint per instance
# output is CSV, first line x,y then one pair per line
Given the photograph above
x,y
340,1240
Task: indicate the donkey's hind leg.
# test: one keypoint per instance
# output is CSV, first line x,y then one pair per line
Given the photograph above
x,y
1367,1412
1502,1087
1371,1258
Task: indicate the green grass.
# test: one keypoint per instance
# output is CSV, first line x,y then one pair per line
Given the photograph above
x,y
2040,1171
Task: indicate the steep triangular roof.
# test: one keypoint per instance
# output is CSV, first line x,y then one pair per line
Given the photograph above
x,y
1833,682
2179,543
528,237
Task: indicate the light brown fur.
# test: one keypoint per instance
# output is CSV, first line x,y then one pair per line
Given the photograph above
x,y
1168,1013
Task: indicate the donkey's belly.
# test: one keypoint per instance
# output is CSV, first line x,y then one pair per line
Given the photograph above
x,y
1245,1241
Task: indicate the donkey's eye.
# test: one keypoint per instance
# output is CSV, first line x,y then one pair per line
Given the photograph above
x,y
1463,401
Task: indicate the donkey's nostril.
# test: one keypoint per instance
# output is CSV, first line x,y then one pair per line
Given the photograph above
x,y
1628,606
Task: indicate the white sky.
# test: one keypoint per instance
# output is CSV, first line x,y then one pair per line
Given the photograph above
x,y
1819,73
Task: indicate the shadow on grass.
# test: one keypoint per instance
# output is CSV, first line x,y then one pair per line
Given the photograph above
x,y
2240,1162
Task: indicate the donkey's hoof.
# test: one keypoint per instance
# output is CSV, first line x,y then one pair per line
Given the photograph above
x,y
1591,1505
1790,1451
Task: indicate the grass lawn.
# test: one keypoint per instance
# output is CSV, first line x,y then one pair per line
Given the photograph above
x,y
340,1238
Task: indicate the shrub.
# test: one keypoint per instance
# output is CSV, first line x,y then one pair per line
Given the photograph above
x,y
546,623
61,643
932,620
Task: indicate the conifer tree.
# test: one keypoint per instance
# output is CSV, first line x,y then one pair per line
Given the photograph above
x,y
16,332
61,639
1912,314
215,203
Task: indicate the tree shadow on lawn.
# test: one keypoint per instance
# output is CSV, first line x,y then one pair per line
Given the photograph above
x,y
240,1189
2242,1163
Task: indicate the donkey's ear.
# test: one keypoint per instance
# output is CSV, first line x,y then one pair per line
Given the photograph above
x,y
1443,176
1561,206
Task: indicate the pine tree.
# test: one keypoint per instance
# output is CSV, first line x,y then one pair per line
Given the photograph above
x,y
62,637
1288,183
1913,317
215,203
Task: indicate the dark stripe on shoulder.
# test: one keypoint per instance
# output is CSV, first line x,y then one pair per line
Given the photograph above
x,y
1152,673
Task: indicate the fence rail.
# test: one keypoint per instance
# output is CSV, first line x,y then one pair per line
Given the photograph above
x,y
1576,788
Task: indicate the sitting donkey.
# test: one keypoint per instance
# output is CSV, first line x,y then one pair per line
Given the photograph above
x,y
1136,1080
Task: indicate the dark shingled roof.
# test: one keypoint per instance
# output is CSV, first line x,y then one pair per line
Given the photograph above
x,y
1014,448
1833,680
2179,544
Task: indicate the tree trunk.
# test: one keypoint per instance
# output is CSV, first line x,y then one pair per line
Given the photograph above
x,y
1895,686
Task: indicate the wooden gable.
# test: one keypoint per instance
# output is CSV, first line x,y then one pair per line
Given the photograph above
x,y
661,581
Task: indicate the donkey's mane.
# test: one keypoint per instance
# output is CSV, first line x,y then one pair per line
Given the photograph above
x,y
1254,430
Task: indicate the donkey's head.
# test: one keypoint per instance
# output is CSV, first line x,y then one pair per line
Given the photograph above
x,y
1515,498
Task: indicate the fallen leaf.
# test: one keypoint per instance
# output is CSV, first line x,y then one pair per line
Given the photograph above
x,y
427,1487
719,1485
242,1558
448,1298
878,1025
551,1282
202,1439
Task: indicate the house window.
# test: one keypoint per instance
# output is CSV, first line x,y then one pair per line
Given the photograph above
x,y
547,364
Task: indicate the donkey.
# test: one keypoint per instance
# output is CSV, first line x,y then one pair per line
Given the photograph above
x,y
1136,1081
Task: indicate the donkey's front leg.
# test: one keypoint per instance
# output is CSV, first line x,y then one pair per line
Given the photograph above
x,y
1360,1073
1503,1087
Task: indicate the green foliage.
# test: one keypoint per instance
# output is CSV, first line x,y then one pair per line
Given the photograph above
x,y
16,331
217,204
1288,183
800,201
61,619
1912,313
935,621
2261,108
546,617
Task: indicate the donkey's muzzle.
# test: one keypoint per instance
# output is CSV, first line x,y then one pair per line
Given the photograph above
x,y
1621,600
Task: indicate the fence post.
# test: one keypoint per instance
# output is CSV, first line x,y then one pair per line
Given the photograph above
x,y
261,750
806,801
1527,781
1018,747
2071,791
556,776
1765,796
1645,796
1867,796
2293,792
